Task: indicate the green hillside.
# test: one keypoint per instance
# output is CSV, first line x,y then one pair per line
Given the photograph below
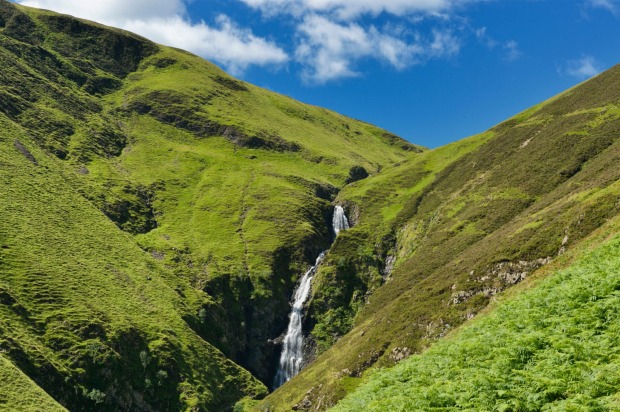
x,y
554,347
156,215
442,234
20,393
92,319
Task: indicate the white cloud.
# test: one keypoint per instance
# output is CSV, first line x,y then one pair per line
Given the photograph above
x,y
583,68
483,36
610,5
329,50
326,48
111,10
333,37
164,21
235,47
509,48
349,9
443,44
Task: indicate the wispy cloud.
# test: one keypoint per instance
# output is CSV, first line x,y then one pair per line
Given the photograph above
x,y
610,5
510,48
483,36
334,37
351,9
329,50
582,68
166,22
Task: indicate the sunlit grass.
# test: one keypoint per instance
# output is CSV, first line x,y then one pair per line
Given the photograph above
x,y
555,347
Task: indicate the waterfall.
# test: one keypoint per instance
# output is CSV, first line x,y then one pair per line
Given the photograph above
x,y
292,350
339,221
293,344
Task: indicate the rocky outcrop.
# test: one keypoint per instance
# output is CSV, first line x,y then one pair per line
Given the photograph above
x,y
498,278
356,173
178,110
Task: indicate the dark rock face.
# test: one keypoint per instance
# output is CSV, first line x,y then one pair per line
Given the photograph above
x,y
231,84
22,149
251,321
164,62
357,173
101,85
180,111
326,192
115,51
133,211
247,323
268,142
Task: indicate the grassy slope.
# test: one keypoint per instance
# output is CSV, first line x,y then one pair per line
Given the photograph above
x,y
81,301
241,192
228,187
464,222
20,393
554,346
225,185
236,194
239,214
359,257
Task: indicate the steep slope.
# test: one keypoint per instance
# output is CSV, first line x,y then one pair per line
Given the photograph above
x,y
19,393
554,347
86,314
156,214
241,214
439,236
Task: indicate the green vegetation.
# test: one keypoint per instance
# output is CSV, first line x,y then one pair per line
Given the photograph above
x,y
81,302
156,214
439,236
554,347
240,193
376,204
20,393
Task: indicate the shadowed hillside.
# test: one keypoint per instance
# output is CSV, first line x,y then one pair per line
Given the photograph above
x,y
20,393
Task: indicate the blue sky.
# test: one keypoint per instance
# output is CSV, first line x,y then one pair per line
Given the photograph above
x,y
431,71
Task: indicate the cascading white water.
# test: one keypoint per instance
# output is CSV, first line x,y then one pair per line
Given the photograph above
x,y
293,344
339,221
292,350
